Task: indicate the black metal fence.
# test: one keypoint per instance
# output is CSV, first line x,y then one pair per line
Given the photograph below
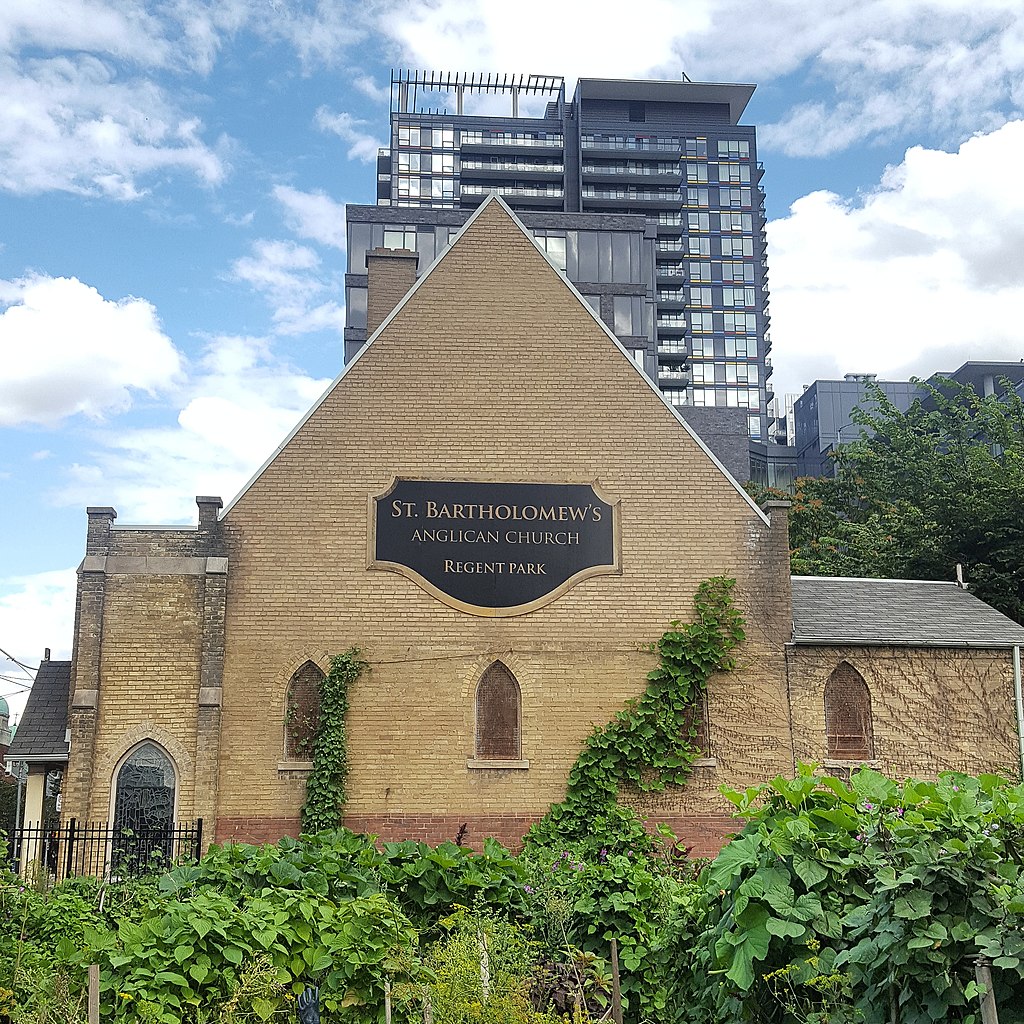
x,y
96,848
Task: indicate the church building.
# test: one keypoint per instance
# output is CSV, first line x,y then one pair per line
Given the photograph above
x,y
498,508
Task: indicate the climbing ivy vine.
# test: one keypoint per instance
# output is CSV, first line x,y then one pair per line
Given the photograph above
x,y
649,744
325,785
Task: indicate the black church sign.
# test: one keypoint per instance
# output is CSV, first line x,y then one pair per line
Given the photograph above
x,y
494,549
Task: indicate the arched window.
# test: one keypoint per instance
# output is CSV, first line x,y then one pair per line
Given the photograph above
x,y
302,712
848,715
143,811
697,720
144,790
498,712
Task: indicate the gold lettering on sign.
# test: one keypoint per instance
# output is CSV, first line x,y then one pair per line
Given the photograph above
x,y
496,568
528,513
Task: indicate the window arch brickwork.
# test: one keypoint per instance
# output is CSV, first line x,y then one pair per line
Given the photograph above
x,y
848,728
498,715
302,712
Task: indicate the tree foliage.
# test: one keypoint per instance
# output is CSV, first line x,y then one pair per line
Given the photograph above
x,y
920,492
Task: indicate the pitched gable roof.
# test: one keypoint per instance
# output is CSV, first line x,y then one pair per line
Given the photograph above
x,y
43,726
493,207
925,613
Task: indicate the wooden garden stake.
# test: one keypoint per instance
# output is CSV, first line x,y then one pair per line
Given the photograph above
x,y
485,967
387,1001
983,976
94,994
616,989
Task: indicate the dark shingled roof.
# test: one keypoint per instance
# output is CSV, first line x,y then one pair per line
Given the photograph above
x,y
40,734
838,610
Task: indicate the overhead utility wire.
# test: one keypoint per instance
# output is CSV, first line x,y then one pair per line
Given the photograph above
x,y
27,669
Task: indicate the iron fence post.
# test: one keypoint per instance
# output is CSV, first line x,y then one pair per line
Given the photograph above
x,y
69,857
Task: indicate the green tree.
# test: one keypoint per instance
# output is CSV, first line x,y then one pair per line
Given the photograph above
x,y
920,492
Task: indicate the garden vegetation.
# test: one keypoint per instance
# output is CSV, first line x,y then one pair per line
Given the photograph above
x,y
836,903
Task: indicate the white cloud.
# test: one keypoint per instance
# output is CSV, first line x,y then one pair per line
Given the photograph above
x,y
65,349
369,87
125,30
83,109
879,66
70,124
917,276
313,215
237,409
362,145
36,612
291,278
568,38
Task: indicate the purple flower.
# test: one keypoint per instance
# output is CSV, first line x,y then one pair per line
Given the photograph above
x,y
529,889
956,789
869,807
898,812
861,837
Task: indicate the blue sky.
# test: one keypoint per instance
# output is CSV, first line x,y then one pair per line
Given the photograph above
x,y
173,178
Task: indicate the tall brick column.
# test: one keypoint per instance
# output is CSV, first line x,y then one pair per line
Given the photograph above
x,y
85,679
211,670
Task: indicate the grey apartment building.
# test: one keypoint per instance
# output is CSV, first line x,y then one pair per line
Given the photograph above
x,y
646,194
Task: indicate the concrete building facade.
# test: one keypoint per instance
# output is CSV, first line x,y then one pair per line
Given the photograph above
x,y
672,153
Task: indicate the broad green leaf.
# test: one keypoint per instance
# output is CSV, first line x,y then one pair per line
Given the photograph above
x,y
776,926
915,905
810,872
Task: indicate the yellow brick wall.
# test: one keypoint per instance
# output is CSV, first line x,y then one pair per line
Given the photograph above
x,y
149,679
492,371
933,709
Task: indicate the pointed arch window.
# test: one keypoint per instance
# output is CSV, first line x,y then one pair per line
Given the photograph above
x,y
144,790
302,712
697,719
848,728
498,715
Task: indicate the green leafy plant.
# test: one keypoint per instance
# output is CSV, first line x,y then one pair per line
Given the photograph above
x,y
649,744
325,785
888,890
483,969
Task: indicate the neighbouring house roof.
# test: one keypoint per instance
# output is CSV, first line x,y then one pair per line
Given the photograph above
x,y
44,723
925,613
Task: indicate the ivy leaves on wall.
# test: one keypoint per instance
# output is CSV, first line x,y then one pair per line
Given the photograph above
x,y
325,785
649,744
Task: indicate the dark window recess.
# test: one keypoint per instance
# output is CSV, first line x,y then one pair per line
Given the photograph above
x,y
637,112
302,712
497,715
697,720
848,715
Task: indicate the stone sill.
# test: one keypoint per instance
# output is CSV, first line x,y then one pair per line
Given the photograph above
x,y
295,767
833,762
706,762
474,762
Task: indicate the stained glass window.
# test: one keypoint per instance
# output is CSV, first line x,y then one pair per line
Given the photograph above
x,y
143,809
